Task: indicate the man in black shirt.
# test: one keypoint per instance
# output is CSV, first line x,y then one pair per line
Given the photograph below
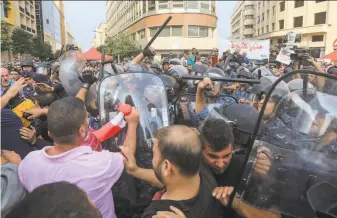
x,y
176,165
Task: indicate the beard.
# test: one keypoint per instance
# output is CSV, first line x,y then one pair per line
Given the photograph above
x,y
218,171
157,172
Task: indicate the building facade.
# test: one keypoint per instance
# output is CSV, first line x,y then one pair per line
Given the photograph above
x,y
243,20
69,36
193,24
20,14
100,35
51,24
316,21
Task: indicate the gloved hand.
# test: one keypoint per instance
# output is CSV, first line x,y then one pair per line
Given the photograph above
x,y
149,52
88,78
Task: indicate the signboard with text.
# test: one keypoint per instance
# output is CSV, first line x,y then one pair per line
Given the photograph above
x,y
256,49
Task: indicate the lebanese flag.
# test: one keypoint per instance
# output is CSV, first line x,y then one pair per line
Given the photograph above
x,y
111,128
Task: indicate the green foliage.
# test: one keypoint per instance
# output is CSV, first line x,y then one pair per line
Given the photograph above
x,y
5,37
122,45
21,41
42,50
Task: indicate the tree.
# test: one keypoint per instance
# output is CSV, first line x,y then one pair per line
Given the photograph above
x,y
21,41
42,50
121,45
5,36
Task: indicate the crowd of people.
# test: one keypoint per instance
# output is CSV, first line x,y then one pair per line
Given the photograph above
x,y
54,165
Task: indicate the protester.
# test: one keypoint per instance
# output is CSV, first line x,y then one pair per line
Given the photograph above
x,y
245,58
94,172
186,187
12,190
5,80
54,200
15,75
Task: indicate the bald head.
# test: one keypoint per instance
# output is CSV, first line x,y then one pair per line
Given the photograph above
x,y
181,145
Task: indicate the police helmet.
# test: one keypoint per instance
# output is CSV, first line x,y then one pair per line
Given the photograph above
x,y
244,73
297,84
166,61
25,63
175,61
215,70
244,118
200,69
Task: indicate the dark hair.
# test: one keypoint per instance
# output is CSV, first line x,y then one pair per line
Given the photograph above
x,y
65,116
181,146
217,133
55,200
45,100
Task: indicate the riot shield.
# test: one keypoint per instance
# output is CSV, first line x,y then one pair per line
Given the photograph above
x,y
185,108
297,135
146,91
70,70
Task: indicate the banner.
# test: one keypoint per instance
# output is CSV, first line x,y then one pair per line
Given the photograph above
x,y
255,49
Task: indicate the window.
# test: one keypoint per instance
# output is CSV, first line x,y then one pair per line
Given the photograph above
x,y
262,31
320,18
203,31
177,31
267,29
163,4
192,4
258,32
282,6
6,12
144,7
248,26
197,31
262,16
272,26
281,23
47,21
318,38
249,7
258,19
153,31
141,34
318,1
298,21
165,32
249,17
193,31
259,5
204,5
177,4
151,5
267,14
273,10
299,3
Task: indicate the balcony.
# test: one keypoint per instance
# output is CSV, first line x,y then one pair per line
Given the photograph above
x,y
248,31
249,22
249,12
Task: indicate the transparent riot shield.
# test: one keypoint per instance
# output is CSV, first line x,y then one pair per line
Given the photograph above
x,y
185,108
294,146
145,91
70,70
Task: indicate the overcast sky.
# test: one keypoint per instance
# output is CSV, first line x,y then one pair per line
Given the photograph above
x,y
84,16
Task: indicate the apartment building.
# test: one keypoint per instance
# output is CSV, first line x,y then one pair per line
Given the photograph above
x,y
243,20
316,21
20,14
193,24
